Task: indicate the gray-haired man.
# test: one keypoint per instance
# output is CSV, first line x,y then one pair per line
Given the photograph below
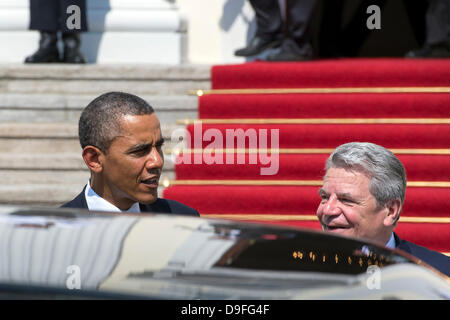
x,y
362,196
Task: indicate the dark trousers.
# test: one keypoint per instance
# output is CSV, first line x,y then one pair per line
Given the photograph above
x,y
438,22
51,15
430,22
297,30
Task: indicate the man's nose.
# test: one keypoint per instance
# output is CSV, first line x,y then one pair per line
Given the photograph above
x,y
331,207
155,159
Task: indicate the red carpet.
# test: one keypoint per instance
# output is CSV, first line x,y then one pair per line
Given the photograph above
x,y
393,120
333,74
331,105
299,200
332,135
308,167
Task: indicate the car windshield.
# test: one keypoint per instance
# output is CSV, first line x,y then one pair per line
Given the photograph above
x,y
174,256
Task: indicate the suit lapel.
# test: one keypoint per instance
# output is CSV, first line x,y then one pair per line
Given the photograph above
x,y
78,202
82,199
401,244
159,206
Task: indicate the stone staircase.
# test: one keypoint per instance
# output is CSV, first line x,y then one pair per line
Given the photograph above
x,y
40,157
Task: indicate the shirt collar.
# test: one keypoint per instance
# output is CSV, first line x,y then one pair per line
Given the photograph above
x,y
391,243
97,203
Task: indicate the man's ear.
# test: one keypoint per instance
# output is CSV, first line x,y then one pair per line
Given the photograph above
x,y
393,207
93,157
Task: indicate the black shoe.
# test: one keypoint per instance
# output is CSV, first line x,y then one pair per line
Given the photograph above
x,y
434,51
288,56
72,52
48,51
258,45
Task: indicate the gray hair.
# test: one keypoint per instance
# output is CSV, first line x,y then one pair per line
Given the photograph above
x,y
386,172
99,122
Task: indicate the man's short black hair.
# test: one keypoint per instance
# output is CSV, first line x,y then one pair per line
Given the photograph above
x,y
99,122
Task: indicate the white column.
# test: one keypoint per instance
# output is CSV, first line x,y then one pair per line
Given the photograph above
x,y
216,28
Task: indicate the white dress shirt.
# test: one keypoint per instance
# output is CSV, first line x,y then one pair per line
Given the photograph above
x,y
391,243
97,203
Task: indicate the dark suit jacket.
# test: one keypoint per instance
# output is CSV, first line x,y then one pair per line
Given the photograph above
x,y
159,206
433,258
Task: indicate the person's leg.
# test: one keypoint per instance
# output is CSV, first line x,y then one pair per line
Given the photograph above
x,y
72,44
416,14
330,28
355,34
71,29
269,22
437,41
438,23
44,15
297,45
269,28
44,18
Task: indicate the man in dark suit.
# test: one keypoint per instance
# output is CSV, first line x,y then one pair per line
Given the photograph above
x,y
122,146
362,196
293,37
52,16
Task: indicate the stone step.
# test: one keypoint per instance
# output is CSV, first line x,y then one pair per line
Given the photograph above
x,y
78,102
25,146
41,177
41,161
57,130
97,79
54,161
98,86
48,179
20,107
54,138
51,145
42,194
62,130
39,194
58,71
54,177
